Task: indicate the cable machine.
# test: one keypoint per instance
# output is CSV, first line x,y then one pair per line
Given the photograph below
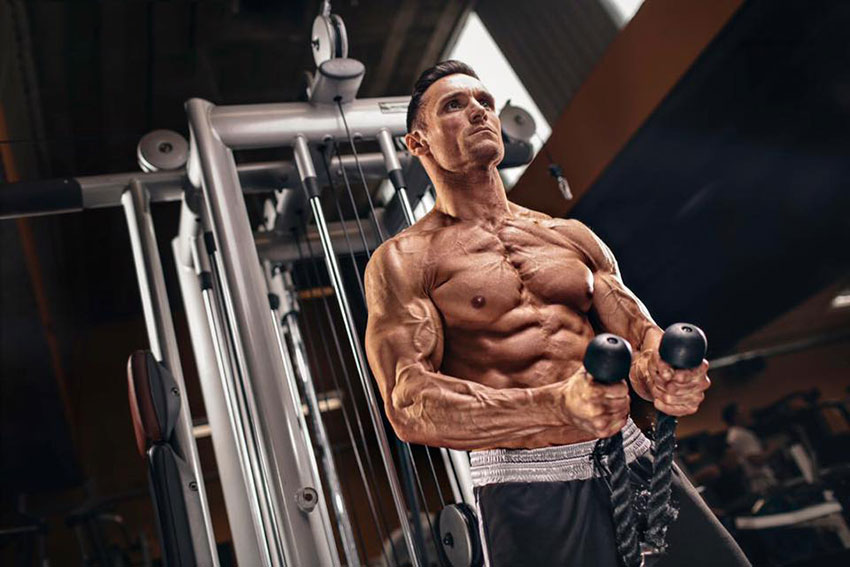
x,y
242,287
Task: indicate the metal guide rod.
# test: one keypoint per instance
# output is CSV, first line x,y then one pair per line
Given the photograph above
x,y
364,461
268,125
163,344
460,459
259,492
308,176
290,308
309,458
245,294
282,248
240,496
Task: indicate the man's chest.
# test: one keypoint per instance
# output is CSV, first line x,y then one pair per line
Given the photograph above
x,y
489,278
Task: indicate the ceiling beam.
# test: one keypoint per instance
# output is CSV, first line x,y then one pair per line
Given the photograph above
x,y
641,66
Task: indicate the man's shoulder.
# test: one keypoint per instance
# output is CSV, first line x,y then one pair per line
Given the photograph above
x,y
403,252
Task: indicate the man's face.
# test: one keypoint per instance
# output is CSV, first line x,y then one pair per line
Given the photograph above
x,y
458,126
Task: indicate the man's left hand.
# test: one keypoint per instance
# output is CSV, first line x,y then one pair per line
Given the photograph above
x,y
672,391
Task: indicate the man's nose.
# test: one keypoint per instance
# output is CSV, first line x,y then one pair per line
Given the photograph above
x,y
477,111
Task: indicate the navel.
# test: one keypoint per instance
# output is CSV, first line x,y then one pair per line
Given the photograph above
x,y
478,301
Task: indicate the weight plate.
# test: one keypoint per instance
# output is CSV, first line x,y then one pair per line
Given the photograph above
x,y
459,540
162,150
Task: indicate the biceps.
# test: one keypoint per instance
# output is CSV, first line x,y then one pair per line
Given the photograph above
x,y
617,308
396,346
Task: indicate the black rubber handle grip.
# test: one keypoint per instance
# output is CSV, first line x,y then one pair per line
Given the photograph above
x,y
44,197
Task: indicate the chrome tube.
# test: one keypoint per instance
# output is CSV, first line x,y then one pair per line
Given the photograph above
x,y
282,285
163,344
304,539
240,498
278,124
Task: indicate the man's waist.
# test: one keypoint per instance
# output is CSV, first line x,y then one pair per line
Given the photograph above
x,y
549,464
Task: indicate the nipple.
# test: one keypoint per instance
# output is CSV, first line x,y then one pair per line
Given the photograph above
x,y
478,301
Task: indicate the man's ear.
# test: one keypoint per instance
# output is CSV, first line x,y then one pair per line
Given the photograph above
x,y
416,143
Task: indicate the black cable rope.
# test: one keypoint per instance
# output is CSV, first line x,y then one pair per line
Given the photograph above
x,y
371,484
354,212
346,493
341,217
434,475
378,230
434,534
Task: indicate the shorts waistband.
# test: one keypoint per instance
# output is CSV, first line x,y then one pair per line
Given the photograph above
x,y
549,464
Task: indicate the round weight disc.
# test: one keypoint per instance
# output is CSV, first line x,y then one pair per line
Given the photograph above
x,y
162,150
324,39
517,123
458,536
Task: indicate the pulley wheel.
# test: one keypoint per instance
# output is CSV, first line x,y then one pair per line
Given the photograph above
x,y
460,544
329,38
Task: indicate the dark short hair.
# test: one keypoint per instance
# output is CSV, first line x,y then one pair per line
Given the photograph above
x,y
730,413
429,77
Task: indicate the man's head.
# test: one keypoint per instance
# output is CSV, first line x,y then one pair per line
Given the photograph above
x,y
451,121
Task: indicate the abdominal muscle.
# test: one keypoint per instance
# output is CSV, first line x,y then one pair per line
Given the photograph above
x,y
531,357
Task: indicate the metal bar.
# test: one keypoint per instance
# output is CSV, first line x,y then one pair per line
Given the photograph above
x,y
309,458
244,290
290,308
240,498
163,343
278,247
302,154
100,191
261,500
269,125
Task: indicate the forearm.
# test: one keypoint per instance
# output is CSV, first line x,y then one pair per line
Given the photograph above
x,y
623,314
435,409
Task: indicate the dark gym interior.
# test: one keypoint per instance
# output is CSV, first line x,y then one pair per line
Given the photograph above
x,y
706,142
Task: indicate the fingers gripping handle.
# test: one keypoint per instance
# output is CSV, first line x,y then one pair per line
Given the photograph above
x,y
683,346
608,359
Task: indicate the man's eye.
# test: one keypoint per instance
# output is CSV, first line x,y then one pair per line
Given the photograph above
x,y
453,105
486,104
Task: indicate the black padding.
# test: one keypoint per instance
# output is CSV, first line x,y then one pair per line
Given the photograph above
x,y
167,487
209,242
48,196
154,387
397,178
311,186
206,281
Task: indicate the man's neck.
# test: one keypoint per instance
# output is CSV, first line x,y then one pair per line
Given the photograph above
x,y
472,196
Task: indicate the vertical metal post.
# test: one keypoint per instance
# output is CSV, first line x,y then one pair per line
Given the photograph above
x,y
281,284
245,295
460,459
163,343
310,457
308,177
246,528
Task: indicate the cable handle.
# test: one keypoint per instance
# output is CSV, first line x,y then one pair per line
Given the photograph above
x,y
608,359
683,346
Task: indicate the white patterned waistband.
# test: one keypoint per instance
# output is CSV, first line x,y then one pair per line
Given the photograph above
x,y
549,464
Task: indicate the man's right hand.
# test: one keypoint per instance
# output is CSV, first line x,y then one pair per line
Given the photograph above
x,y
598,409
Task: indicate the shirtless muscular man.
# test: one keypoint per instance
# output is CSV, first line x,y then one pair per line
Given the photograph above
x,y
479,317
